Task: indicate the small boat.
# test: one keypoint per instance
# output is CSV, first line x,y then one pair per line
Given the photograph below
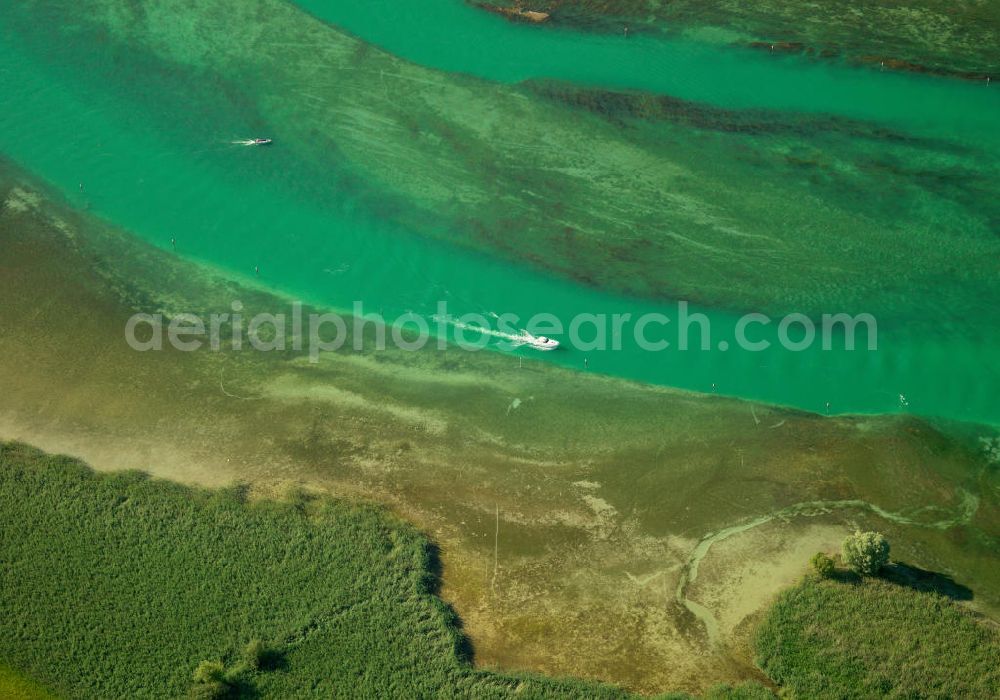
x,y
252,142
540,342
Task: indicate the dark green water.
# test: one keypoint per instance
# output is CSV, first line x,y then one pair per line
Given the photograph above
x,y
150,140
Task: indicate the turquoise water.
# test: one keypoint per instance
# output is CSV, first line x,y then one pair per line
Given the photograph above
x,y
435,33
162,168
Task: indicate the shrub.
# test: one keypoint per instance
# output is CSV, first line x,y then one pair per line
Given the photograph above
x,y
866,552
210,672
254,655
209,681
823,565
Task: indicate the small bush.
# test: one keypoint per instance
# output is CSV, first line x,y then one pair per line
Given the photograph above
x,y
866,552
255,655
209,682
210,672
823,565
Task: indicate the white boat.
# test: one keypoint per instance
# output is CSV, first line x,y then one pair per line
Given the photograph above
x,y
540,342
261,142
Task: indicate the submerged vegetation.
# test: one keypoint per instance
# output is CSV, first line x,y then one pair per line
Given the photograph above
x,y
864,638
683,203
929,35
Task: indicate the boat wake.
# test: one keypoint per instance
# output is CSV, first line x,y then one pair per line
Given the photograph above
x,y
514,340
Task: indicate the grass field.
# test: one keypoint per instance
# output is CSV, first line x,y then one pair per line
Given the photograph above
x,y
876,638
119,585
14,686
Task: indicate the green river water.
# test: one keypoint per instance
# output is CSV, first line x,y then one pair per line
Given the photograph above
x,y
152,149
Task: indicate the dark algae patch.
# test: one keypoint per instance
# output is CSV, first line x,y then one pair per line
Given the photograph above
x,y
928,36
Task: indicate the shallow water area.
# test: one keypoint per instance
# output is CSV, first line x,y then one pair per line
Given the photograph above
x,y
437,33
165,169
603,488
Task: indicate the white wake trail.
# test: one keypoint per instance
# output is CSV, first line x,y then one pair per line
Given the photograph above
x,y
518,339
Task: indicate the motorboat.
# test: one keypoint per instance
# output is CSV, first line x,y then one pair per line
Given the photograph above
x,y
261,142
540,342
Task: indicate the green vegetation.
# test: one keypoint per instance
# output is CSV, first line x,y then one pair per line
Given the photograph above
x,y
868,638
121,586
210,681
823,565
209,672
256,655
866,552
14,686
747,691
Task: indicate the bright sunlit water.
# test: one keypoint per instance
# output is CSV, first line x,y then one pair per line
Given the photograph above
x,y
151,163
